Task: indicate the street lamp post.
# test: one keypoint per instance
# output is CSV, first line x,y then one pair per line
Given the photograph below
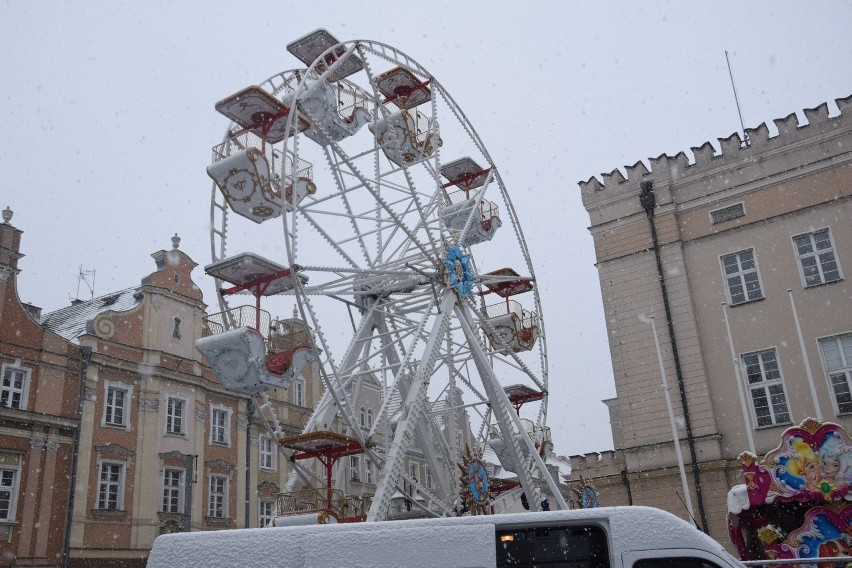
x,y
686,494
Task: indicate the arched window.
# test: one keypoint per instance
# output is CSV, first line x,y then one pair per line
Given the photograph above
x,y
369,418
363,417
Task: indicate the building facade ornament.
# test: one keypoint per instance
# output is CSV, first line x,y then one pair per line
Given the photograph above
x,y
149,404
219,463
115,449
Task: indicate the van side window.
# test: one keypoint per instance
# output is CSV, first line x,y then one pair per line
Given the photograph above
x,y
674,562
569,547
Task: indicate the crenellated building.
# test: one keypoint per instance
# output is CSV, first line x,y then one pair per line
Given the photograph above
x,y
736,258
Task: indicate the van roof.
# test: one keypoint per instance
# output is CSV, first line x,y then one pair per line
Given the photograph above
x,y
451,541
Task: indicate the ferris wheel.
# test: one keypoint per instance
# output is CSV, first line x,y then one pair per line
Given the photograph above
x,y
358,191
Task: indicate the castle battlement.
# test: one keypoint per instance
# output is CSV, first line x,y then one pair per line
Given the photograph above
x,y
596,464
673,173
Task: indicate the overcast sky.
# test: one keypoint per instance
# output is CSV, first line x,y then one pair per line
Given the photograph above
x,y
110,120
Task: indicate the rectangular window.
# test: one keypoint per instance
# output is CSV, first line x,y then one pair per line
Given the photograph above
x,y
299,392
173,491
16,382
816,258
217,506
575,546
727,213
267,453
741,277
111,486
9,481
354,468
428,473
413,471
116,405
369,472
837,356
220,431
266,512
766,388
175,410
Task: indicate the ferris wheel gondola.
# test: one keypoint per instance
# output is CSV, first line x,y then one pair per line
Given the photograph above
x,y
388,239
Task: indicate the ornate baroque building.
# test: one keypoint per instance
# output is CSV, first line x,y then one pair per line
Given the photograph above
x,y
740,257
158,444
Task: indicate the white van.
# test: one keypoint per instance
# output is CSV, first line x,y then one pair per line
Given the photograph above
x,y
617,537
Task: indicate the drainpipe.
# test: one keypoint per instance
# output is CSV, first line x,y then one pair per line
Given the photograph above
x,y
249,420
626,481
86,357
649,202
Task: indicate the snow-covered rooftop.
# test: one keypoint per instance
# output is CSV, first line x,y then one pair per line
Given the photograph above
x,y
70,322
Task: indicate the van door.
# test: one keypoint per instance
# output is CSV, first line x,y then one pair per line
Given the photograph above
x,y
676,558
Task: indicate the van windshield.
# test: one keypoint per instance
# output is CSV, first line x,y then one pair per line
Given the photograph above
x,y
568,547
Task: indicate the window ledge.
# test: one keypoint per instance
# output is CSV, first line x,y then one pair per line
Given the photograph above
x,y
745,303
219,521
175,435
812,286
778,425
114,514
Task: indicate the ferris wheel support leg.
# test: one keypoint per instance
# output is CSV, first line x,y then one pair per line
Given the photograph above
x,y
326,409
423,439
506,416
411,412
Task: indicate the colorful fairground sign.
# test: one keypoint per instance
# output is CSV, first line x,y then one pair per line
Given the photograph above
x,y
795,503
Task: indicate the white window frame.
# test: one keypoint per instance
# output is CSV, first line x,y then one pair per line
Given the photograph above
x,y
215,429
217,502
369,418
265,512
170,416
369,472
13,475
267,456
764,386
414,471
299,392
8,392
171,490
128,396
105,485
800,257
844,371
427,473
741,275
363,417
355,468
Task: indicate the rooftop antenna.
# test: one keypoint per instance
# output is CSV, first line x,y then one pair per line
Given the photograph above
x,y
87,277
746,141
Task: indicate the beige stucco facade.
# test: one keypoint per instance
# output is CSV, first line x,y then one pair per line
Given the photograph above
x,y
736,210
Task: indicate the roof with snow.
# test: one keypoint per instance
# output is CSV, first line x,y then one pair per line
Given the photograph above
x,y
72,321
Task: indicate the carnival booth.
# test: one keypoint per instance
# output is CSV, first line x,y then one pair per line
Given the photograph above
x,y
795,503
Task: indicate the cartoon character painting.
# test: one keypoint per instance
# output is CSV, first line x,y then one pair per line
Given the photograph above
x,y
799,497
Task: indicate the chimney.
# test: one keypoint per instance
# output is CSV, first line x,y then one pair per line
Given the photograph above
x,y
10,245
